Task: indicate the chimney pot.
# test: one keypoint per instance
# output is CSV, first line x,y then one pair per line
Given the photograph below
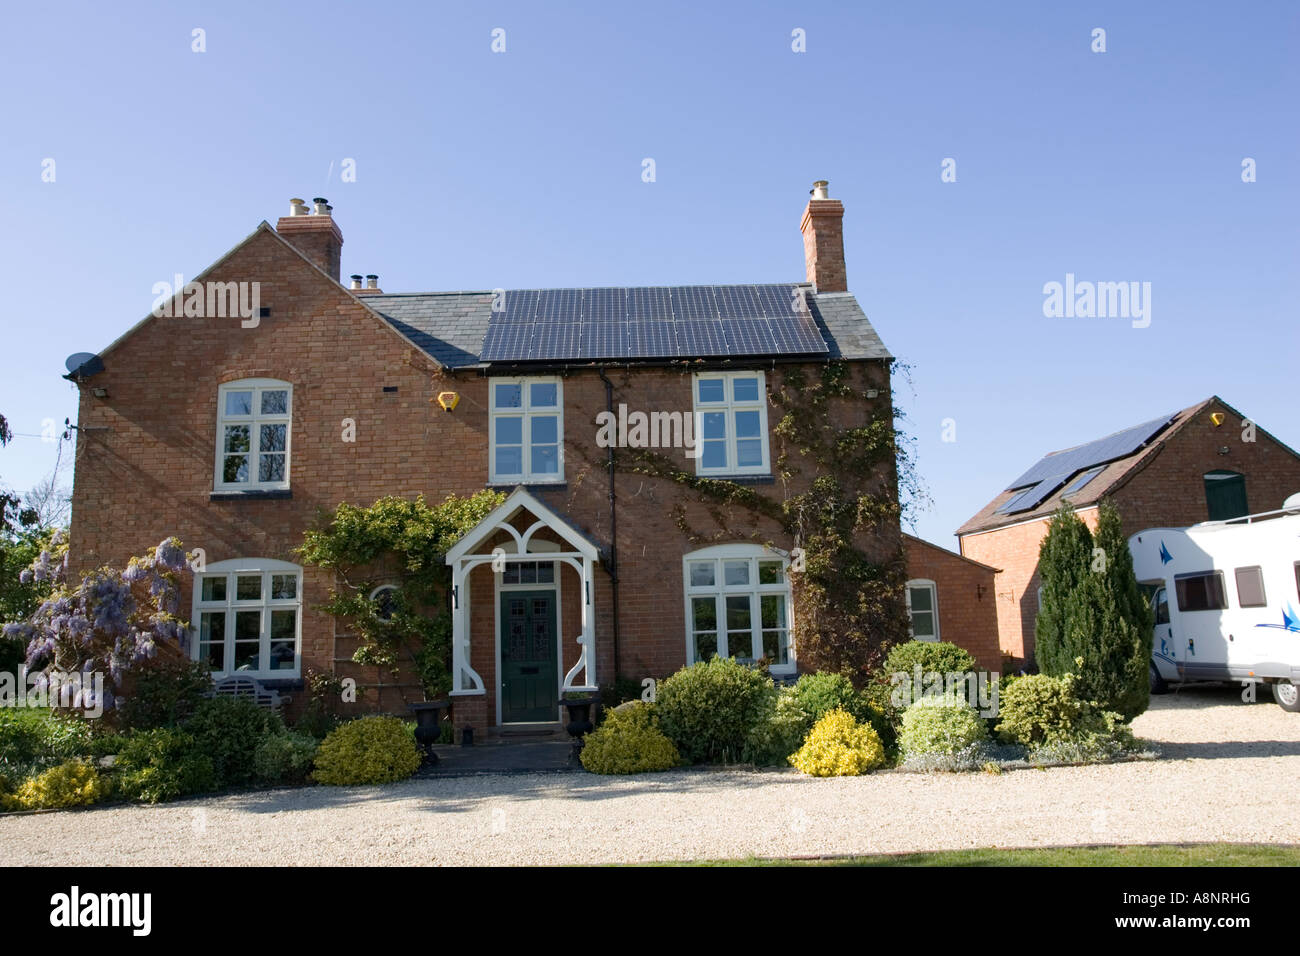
x,y
356,282
819,190
372,281
314,233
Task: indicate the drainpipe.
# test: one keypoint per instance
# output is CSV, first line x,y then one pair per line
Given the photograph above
x,y
613,522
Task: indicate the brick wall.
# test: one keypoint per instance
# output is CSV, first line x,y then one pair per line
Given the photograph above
x,y
145,460
965,595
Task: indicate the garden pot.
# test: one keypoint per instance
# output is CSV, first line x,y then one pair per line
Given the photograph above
x,y
428,726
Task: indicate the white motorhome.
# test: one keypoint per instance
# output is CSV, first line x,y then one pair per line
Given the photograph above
x,y
1225,596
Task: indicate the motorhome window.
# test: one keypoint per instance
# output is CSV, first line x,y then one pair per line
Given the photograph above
x,y
1250,587
1162,607
1200,592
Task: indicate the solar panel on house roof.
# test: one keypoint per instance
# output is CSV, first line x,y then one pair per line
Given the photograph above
x,y
1099,452
669,322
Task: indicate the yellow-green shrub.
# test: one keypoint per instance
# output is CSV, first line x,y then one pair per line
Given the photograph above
x,y
72,784
368,750
629,741
838,746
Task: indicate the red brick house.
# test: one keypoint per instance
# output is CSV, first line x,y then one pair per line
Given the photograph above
x,y
1206,462
951,598
233,433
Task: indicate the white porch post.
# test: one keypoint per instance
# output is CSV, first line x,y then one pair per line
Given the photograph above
x,y
461,672
587,639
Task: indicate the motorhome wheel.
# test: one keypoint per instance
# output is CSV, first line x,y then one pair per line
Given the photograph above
x,y
1158,685
1287,696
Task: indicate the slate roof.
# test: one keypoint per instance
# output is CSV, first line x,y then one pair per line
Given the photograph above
x,y
1110,477
450,326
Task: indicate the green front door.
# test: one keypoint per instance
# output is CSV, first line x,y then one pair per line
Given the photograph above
x,y
529,680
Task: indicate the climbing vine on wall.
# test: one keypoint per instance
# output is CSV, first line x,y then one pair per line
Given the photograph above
x,y
839,462
398,542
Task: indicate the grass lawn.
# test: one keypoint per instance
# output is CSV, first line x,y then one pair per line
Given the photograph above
x,y
1196,854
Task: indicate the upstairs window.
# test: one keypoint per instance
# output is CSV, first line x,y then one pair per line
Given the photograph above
x,y
527,430
731,424
253,424
1225,495
248,618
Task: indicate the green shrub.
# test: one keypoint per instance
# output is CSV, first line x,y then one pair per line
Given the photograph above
x,y
7,799
323,711
819,694
1038,709
162,764
34,738
839,746
71,784
164,693
940,725
884,714
939,657
779,731
710,708
1046,715
629,741
367,750
284,758
229,730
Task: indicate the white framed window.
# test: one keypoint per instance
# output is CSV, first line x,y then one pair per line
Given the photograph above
x,y
526,421
253,425
248,618
731,423
923,609
738,605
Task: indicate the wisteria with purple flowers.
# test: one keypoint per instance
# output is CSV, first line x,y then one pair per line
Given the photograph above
x,y
109,620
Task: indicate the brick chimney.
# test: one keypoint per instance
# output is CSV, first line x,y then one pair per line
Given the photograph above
x,y
823,240
314,233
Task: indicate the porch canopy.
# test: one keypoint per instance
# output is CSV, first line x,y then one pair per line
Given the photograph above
x,y
580,554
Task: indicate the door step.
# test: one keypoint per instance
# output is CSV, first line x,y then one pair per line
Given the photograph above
x,y
554,731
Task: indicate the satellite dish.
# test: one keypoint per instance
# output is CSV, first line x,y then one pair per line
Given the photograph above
x,y
1292,503
84,363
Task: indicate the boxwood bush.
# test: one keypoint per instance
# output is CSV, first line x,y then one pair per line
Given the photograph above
x,y
839,746
940,725
629,741
367,750
938,656
709,709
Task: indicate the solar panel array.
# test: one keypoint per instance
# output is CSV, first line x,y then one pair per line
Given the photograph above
x,y
1052,471
652,322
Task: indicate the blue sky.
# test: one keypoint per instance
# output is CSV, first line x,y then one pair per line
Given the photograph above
x,y
520,169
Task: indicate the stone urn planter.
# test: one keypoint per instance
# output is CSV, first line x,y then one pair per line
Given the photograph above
x,y
428,726
580,717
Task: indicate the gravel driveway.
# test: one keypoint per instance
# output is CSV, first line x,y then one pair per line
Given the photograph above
x,y
1228,772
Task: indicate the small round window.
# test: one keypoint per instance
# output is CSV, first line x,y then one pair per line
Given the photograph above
x,y
384,599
